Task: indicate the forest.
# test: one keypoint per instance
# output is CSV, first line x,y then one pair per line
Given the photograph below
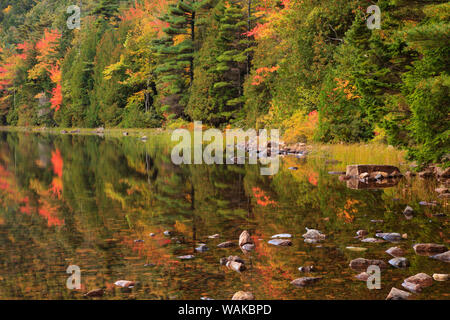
x,y
313,69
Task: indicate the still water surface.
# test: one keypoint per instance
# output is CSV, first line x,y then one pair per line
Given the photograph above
x,y
85,200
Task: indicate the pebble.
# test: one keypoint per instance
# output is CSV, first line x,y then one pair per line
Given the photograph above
x,y
167,233
363,276
372,240
236,266
214,236
293,168
361,233
377,221
245,238
248,247
313,234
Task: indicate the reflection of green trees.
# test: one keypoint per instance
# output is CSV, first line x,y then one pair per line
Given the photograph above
x,y
114,190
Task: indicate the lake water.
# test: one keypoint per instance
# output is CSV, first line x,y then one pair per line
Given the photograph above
x,y
85,200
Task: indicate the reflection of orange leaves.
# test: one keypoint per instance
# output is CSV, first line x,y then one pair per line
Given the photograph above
x,y
57,162
348,212
57,186
313,178
50,213
261,198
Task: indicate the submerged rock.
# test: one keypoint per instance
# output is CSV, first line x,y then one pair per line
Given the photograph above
x,y
399,262
227,244
392,237
186,257
168,233
242,295
202,248
223,261
248,247
236,266
429,248
362,263
95,293
445,257
361,233
280,242
418,282
293,168
307,269
397,294
372,240
408,211
395,252
305,281
363,276
356,249
214,236
314,234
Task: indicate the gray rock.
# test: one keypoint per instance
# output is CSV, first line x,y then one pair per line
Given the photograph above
x,y
372,240
399,262
429,248
362,263
305,281
314,234
168,233
227,244
391,237
396,294
445,257
202,248
395,252
417,282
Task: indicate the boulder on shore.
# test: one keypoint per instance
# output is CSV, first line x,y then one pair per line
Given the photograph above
x,y
242,295
373,170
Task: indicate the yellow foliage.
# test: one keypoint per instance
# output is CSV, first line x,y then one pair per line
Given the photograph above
x,y
300,127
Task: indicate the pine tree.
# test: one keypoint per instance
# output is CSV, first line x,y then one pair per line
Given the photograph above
x,y
231,61
175,50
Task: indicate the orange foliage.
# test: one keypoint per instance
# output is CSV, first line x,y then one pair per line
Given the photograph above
x,y
57,162
343,85
261,198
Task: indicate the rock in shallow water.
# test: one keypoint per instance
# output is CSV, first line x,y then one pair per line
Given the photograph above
x,y
95,293
395,252
429,248
305,281
242,295
245,238
440,277
417,282
227,244
202,248
399,262
397,294
445,257
363,276
187,257
125,283
391,237
372,240
314,234
361,263
280,242
307,269
236,266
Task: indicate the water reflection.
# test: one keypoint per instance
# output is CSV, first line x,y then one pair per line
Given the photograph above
x,y
86,200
